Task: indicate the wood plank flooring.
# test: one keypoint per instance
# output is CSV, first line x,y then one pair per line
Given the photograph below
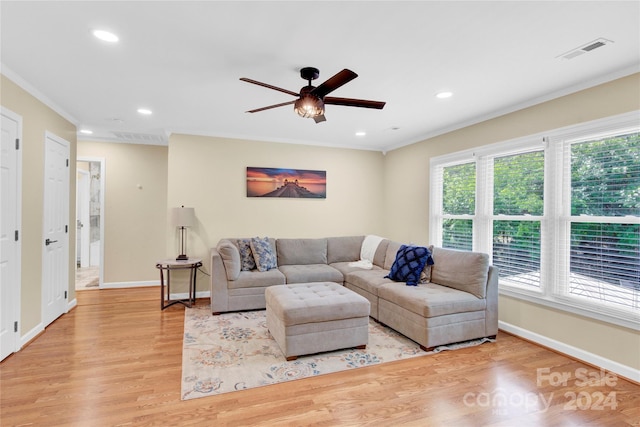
x,y
115,360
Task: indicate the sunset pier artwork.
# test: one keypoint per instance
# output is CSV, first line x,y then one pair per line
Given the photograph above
x,y
289,183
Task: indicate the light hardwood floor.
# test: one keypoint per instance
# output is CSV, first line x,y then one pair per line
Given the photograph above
x,y
115,360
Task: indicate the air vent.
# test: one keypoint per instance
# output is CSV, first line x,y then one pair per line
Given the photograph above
x,y
141,138
593,46
585,48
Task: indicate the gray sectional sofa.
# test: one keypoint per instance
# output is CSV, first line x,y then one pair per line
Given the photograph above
x,y
458,303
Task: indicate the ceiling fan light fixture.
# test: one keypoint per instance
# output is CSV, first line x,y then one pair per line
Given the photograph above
x,y
309,106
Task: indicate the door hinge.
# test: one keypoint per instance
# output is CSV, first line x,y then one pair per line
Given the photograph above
x,y
15,326
67,162
17,143
65,294
66,228
16,235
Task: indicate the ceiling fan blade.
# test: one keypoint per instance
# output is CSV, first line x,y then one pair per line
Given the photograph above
x,y
342,78
255,82
319,119
272,106
350,102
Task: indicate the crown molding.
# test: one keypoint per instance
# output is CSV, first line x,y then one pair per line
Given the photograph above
x,y
29,88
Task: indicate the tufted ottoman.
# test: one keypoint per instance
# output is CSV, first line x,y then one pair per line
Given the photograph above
x,y
307,318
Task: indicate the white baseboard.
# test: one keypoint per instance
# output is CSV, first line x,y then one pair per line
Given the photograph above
x,y
116,285
578,353
34,332
39,328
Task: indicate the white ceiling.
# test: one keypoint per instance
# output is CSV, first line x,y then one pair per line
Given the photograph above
x,y
183,60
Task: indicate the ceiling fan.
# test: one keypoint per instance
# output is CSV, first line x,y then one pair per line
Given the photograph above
x,y
311,100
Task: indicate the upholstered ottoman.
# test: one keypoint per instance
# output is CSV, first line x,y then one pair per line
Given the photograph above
x,y
307,318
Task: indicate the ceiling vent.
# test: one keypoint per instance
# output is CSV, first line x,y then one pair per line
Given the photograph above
x,y
141,138
585,48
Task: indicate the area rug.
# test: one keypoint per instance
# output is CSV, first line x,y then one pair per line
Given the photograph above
x,y
234,351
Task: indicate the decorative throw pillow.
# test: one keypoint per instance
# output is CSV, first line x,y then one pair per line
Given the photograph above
x,y
263,254
425,276
409,263
247,261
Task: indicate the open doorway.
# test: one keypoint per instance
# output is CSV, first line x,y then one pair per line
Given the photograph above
x,y
89,223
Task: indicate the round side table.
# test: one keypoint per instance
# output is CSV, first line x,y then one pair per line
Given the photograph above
x,y
192,264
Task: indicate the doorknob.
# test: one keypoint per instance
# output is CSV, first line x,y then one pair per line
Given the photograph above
x,y
48,242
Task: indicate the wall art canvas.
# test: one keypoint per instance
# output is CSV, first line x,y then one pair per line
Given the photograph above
x,y
294,183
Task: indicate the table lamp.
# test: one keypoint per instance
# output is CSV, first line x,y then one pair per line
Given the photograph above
x,y
183,217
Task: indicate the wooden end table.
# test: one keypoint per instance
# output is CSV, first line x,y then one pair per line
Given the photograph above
x,y
192,264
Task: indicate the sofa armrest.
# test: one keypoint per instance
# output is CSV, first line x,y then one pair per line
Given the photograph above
x,y
219,292
491,317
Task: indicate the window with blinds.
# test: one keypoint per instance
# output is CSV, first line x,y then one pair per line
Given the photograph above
x,y
458,206
604,259
559,214
518,202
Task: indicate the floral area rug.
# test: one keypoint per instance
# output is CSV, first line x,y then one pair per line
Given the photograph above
x,y
234,351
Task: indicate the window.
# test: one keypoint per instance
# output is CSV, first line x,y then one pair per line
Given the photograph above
x,y
604,261
518,200
459,204
559,214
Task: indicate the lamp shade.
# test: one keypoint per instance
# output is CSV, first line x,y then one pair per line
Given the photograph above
x,y
183,217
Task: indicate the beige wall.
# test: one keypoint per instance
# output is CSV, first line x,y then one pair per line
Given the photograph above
x,y
37,119
411,164
135,215
209,174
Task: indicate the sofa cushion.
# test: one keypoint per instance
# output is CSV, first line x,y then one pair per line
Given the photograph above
x,y
431,300
311,273
247,261
346,267
409,263
301,251
381,254
463,270
263,253
390,255
368,280
257,279
230,258
343,249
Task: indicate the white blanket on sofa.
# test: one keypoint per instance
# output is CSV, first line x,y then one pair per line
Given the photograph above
x,y
367,252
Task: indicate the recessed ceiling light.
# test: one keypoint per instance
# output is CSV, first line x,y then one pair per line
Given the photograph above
x,y
144,111
361,133
86,131
444,94
105,36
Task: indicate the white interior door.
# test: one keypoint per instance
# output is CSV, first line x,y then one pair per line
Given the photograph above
x,y
9,233
55,241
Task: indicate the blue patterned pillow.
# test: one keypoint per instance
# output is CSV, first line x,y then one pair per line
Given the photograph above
x,y
263,254
247,262
409,263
